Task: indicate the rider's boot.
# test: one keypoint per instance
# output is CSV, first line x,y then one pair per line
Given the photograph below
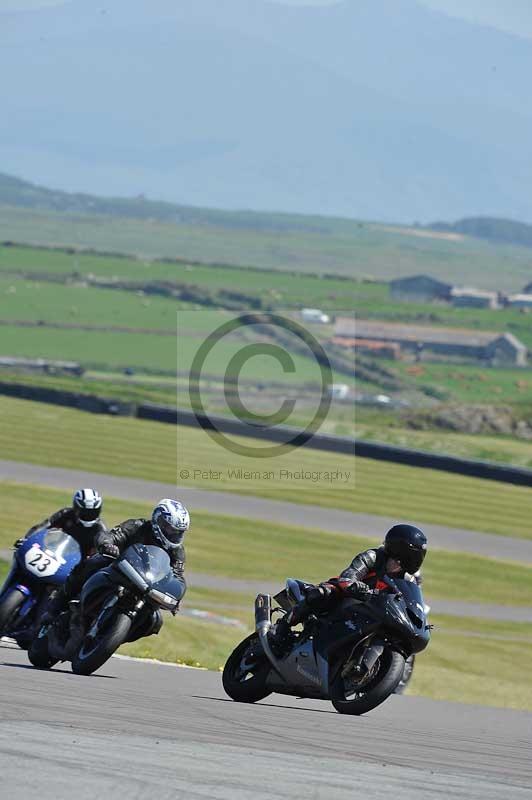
x,y
77,630
56,604
57,635
280,636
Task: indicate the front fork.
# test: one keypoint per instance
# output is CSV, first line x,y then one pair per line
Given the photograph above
x,y
109,607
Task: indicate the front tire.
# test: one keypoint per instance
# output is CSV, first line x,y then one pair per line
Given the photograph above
x,y
406,676
38,653
95,652
9,608
350,695
245,672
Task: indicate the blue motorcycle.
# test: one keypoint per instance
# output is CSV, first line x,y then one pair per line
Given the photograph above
x,y
41,562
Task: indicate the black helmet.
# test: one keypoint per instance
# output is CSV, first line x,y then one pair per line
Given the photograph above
x,y
408,545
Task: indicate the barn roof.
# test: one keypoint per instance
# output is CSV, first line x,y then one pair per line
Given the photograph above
x,y
411,280
392,331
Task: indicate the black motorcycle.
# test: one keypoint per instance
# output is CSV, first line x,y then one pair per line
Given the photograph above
x,y
120,602
355,656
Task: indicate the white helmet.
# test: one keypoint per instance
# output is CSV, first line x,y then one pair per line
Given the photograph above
x,y
170,520
88,505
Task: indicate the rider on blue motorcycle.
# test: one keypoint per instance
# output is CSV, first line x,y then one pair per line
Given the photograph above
x,y
82,520
402,552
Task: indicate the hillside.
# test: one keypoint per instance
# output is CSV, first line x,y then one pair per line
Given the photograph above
x,y
289,243
16,192
252,104
506,231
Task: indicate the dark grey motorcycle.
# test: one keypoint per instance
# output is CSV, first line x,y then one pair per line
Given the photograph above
x,y
120,602
355,656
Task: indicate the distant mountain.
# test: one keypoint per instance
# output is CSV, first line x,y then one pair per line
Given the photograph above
x,y
500,231
18,193
15,192
376,109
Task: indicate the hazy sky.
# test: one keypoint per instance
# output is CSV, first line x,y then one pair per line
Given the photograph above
x,y
514,16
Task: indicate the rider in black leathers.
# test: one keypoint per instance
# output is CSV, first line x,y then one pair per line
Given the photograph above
x,y
166,529
82,520
403,552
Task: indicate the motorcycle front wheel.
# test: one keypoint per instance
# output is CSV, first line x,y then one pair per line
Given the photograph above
x,y
9,607
38,653
352,694
96,650
245,672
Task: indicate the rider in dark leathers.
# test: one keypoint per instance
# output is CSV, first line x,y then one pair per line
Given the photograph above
x,y
403,552
166,529
82,520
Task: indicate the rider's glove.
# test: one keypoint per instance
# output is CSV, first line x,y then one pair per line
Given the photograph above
x,y
359,589
109,549
18,543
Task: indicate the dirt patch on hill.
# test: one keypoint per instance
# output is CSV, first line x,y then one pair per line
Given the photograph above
x,y
424,234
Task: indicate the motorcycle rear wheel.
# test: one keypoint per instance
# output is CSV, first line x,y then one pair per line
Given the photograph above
x,y
93,653
9,607
344,695
245,672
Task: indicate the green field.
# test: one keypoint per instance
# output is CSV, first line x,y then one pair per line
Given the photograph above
x,y
39,301
154,353
56,436
307,244
77,304
280,289
476,661
502,449
470,384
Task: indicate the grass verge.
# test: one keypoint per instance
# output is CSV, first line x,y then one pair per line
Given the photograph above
x,y
256,551
55,436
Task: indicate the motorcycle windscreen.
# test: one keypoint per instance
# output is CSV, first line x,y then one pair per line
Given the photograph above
x,y
149,561
413,598
62,546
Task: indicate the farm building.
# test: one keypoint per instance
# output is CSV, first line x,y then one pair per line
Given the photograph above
x,y
474,298
501,348
519,301
419,289
369,347
527,289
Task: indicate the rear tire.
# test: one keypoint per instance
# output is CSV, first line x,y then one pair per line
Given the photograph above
x,y
93,653
245,672
9,607
389,672
38,653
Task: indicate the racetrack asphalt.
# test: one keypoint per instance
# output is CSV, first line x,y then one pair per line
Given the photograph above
x,y
327,520
141,730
